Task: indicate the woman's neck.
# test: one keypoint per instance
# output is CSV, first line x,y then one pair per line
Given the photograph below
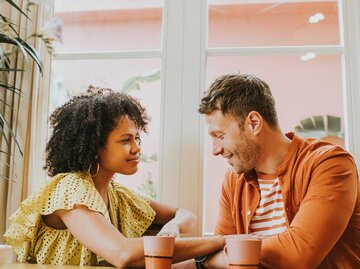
x,y
101,181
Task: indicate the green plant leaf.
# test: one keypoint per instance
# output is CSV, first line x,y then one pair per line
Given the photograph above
x,y
11,132
4,135
148,186
319,123
320,126
22,48
32,52
9,23
154,157
134,82
6,39
25,48
12,70
15,42
17,7
4,152
11,88
308,124
334,124
7,105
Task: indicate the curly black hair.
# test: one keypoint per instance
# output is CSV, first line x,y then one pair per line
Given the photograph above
x,y
81,127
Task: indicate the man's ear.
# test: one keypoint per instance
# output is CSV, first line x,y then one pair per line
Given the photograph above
x,y
254,122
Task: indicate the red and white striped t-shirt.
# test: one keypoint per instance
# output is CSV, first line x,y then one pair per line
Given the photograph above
x,y
269,217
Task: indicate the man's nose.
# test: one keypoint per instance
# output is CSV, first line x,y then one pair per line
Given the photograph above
x,y
216,147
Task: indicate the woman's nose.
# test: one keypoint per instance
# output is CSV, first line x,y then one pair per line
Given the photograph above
x,y
136,147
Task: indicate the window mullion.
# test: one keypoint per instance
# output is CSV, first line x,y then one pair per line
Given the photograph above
x,y
182,77
350,17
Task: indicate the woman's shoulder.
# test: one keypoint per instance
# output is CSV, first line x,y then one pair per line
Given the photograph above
x,y
63,191
69,180
136,214
127,193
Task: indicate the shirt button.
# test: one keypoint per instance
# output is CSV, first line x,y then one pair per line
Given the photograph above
x,y
248,213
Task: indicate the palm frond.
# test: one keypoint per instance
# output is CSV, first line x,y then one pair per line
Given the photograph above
x,y
6,104
34,54
12,88
4,121
134,82
17,7
320,126
25,48
12,70
9,24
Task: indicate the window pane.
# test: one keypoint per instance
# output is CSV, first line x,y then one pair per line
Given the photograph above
x,y
109,25
302,88
73,77
242,23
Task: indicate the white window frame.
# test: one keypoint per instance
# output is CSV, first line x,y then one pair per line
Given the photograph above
x,y
184,55
184,75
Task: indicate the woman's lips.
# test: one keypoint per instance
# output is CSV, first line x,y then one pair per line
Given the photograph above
x,y
135,160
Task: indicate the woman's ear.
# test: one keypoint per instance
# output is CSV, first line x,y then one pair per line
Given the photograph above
x,y
254,122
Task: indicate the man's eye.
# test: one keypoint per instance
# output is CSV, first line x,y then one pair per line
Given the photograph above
x,y
138,140
127,140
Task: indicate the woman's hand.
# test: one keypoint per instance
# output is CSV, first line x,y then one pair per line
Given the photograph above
x,y
175,220
171,228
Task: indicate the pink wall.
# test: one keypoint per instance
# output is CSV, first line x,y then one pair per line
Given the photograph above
x,y
111,30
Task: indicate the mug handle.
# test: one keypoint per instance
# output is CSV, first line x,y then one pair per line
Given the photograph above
x,y
225,251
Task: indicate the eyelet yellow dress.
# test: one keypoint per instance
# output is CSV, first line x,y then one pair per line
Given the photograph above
x,y
34,241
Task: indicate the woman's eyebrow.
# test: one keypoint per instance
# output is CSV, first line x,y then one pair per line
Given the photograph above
x,y
126,134
129,134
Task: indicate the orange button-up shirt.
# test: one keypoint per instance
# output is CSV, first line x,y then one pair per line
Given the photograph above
x,y
321,193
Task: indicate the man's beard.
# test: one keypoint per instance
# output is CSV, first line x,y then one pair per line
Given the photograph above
x,y
247,156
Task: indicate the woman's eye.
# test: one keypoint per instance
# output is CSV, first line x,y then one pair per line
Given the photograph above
x,y
126,140
138,140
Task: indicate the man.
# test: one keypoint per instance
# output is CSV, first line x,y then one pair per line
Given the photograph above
x,y
302,193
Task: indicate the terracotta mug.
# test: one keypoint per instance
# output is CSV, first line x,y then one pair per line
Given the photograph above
x,y
158,251
243,252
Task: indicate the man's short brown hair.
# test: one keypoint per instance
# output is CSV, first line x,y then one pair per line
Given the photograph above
x,y
239,94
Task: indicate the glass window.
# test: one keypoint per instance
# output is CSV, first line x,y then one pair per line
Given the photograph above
x,y
301,88
243,23
307,85
109,25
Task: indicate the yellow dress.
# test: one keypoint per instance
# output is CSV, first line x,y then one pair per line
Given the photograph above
x,y
34,241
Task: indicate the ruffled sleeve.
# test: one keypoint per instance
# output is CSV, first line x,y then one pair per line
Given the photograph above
x,y
61,192
136,214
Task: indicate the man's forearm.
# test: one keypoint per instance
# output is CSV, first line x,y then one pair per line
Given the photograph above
x,y
216,260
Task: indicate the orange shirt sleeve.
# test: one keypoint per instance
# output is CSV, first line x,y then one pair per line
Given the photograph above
x,y
322,217
225,224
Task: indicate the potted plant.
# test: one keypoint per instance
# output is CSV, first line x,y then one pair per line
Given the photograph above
x,y
327,128
13,46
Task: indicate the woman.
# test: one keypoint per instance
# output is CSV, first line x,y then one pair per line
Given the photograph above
x,y
81,216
